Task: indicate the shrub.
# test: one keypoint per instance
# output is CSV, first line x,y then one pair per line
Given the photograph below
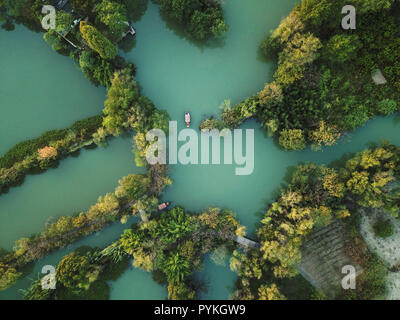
x,y
88,126
342,47
292,139
28,147
211,123
269,47
383,228
98,42
387,106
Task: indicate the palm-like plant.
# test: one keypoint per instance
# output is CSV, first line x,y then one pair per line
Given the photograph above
x,y
176,267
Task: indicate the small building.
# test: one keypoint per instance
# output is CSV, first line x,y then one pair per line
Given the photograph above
x,y
130,30
378,77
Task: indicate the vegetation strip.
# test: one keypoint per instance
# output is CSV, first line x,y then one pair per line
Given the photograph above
x,y
138,192
40,154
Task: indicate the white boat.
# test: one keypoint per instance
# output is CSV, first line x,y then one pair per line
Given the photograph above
x,y
187,119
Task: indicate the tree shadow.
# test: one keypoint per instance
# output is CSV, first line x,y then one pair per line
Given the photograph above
x,y
396,119
128,43
136,9
8,25
339,163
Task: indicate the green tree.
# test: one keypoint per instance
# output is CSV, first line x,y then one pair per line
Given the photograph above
x,y
133,186
135,8
131,240
270,292
318,13
105,207
292,139
83,7
300,51
383,228
324,135
53,39
271,94
374,5
207,23
113,15
15,7
173,225
36,292
176,267
200,19
96,69
120,98
72,271
64,21
8,276
343,47
179,10
387,106
98,42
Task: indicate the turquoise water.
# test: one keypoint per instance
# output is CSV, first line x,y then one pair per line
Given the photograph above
x,y
39,89
198,186
136,284
177,75
219,280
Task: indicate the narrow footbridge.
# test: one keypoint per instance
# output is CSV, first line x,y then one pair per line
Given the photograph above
x,y
247,242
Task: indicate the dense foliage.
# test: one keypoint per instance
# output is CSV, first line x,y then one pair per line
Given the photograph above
x,y
126,109
172,246
200,19
98,42
81,128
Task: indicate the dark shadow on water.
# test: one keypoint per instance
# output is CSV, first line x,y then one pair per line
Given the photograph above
x,y
265,132
396,119
136,9
275,139
290,170
75,154
260,215
128,43
339,163
124,135
90,146
272,62
201,283
27,269
262,58
8,26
